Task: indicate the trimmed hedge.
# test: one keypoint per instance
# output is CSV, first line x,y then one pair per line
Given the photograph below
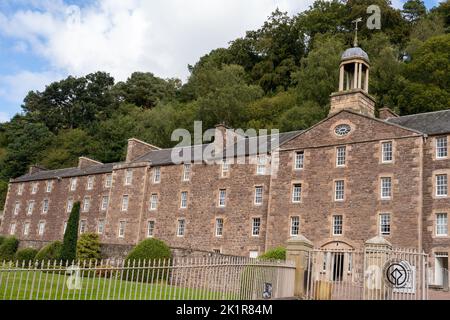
x,y
88,247
50,252
274,254
8,248
150,251
24,256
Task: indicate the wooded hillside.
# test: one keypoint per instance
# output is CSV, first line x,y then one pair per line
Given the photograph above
x,y
279,76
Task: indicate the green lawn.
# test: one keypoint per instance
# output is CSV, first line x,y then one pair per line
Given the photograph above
x,y
37,285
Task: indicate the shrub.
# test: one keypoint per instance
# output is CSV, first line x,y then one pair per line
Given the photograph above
x,y
88,247
274,254
2,238
8,248
69,246
50,252
150,251
25,256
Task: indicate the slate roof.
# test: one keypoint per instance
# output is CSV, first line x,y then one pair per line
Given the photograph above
x,y
65,173
262,144
430,123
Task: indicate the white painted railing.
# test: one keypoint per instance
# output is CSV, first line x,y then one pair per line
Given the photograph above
x,y
221,278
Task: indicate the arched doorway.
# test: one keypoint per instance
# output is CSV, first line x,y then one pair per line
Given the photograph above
x,y
338,259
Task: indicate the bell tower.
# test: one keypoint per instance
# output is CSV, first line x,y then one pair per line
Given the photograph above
x,y
353,91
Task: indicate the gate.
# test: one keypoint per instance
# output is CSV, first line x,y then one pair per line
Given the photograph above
x,y
368,274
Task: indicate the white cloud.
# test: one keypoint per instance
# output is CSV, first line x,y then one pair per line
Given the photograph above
x,y
14,88
124,36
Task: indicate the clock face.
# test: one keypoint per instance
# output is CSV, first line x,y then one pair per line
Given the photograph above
x,y
342,130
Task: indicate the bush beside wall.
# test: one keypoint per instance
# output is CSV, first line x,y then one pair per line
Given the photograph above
x,y
8,248
25,256
50,252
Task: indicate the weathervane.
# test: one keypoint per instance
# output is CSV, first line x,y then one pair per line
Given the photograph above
x,y
355,44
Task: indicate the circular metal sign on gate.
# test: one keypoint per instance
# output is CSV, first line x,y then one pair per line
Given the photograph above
x,y
397,273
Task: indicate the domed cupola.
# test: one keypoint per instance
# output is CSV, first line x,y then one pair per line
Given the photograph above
x,y
354,70
353,91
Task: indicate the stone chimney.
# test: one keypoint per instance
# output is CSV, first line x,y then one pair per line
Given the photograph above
x,y
224,136
35,169
137,148
84,162
386,113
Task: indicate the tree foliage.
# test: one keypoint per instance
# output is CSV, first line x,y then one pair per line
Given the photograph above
x,y
69,246
49,253
88,247
278,76
8,249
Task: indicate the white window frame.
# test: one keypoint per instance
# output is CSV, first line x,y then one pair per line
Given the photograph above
x,y
253,254
386,188
385,223
45,206
20,189
153,202
26,228
295,226
90,183
16,208
151,227
49,186
125,202
341,156
339,190
34,188
187,172
261,162
385,152
73,184
30,208
297,193
225,168
184,199
82,228
69,206
108,181
64,227
100,226
41,228
441,226
222,198
105,203
156,175
259,195
441,147
219,227
12,228
86,204
181,228
128,177
256,227
338,224
299,160
122,227
441,186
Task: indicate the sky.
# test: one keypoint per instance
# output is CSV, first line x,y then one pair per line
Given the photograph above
x,y
42,41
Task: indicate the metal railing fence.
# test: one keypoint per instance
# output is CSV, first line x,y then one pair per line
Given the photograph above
x,y
207,278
